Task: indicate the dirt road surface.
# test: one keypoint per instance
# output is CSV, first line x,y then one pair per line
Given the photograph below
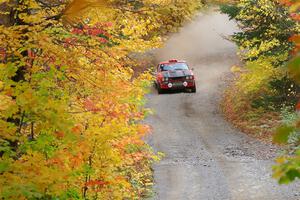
x,y
207,159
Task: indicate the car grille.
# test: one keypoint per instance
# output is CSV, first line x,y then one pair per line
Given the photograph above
x,y
177,78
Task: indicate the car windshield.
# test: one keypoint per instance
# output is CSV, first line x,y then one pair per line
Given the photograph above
x,y
173,66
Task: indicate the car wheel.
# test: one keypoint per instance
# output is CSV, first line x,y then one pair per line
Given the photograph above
x,y
193,90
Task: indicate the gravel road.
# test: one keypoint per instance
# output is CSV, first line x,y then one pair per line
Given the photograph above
x,y
205,157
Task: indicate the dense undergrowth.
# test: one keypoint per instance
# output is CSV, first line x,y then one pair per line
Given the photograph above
x,y
263,96
70,104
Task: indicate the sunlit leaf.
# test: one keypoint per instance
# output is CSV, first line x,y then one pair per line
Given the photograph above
x,y
294,68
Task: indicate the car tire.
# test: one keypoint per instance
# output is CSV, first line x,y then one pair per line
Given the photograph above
x,y
193,90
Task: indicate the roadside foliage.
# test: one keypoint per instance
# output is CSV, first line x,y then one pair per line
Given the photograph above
x,y
70,107
288,166
268,82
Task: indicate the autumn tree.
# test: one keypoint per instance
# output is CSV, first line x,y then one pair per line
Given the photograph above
x,y
287,168
69,104
268,84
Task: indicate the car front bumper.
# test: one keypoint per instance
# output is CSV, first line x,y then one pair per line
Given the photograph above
x,y
177,85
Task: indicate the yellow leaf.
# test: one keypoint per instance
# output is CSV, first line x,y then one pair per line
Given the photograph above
x,y
281,160
235,69
76,7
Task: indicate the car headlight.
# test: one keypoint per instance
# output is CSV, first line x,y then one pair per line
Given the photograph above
x,y
189,77
165,79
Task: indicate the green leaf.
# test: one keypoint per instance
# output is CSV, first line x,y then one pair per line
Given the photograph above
x,y
3,166
284,180
282,134
292,174
294,68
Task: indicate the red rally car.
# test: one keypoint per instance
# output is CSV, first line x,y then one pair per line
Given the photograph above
x,y
174,74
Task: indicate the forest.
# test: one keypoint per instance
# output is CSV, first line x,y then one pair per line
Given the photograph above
x,y
69,102
72,97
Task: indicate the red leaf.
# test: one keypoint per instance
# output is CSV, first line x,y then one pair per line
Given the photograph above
x,y
90,105
60,134
298,106
95,183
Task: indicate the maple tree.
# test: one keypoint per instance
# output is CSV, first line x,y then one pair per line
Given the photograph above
x,y
69,104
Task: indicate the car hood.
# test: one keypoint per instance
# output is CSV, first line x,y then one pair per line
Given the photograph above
x,y
176,73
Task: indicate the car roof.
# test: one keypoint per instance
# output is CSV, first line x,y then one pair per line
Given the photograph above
x,y
172,61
